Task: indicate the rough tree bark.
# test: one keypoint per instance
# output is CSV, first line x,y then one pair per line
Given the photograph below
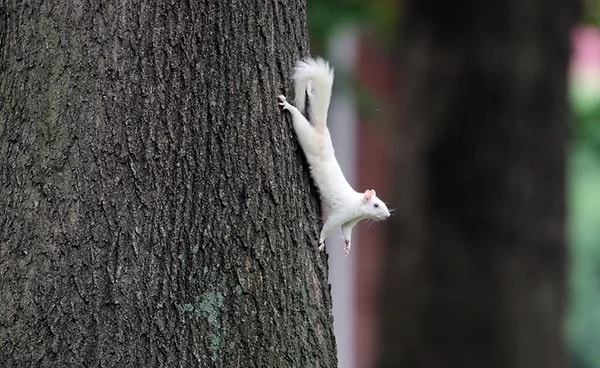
x,y
154,209
475,272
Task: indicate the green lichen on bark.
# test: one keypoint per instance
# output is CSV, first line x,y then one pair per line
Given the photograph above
x,y
208,306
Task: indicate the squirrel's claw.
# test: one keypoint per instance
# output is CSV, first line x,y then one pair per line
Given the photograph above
x,y
282,100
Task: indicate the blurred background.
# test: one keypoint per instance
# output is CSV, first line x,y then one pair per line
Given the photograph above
x,y
389,56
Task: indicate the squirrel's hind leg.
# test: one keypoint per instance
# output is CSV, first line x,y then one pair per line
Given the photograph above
x,y
304,130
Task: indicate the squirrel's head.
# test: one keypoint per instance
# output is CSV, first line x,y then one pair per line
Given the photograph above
x,y
373,207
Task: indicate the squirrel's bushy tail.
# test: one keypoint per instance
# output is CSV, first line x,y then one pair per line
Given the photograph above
x,y
313,77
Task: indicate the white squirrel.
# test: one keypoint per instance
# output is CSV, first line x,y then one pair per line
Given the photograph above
x,y
345,206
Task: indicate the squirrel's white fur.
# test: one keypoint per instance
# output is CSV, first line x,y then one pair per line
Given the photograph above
x,y
313,78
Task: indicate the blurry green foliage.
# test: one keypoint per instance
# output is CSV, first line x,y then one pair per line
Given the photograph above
x,y
377,18
326,16
583,315
591,12
587,129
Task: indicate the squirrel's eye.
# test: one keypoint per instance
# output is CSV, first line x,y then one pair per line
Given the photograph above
x,y
376,205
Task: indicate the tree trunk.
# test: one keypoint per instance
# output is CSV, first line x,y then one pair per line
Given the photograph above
x,y
154,208
476,266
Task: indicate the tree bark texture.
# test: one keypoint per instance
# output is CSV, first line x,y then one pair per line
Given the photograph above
x,y
154,206
475,275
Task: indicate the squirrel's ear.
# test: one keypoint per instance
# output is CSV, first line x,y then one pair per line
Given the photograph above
x,y
367,196
373,193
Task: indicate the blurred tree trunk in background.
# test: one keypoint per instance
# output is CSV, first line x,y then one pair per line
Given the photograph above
x,y
475,273
153,206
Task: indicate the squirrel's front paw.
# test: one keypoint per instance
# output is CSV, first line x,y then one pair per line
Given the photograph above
x,y
321,246
347,246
